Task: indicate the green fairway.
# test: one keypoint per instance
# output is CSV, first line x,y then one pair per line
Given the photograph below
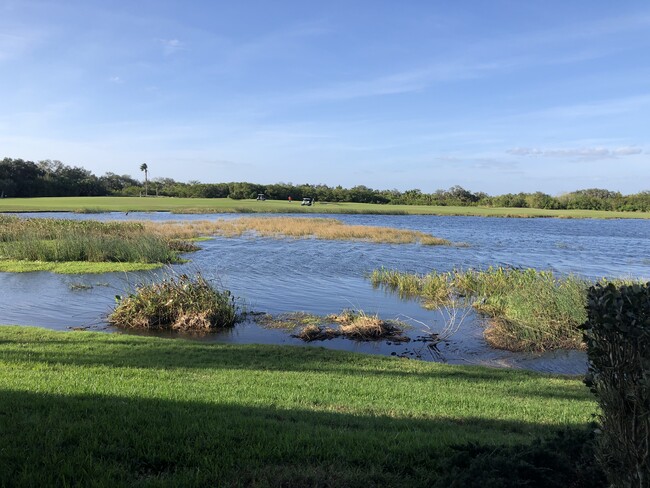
x,y
227,205
82,409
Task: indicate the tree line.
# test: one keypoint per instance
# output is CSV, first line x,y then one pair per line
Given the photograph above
x,y
20,178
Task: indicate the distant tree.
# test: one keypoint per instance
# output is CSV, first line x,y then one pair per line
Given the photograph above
x,y
145,168
21,178
114,184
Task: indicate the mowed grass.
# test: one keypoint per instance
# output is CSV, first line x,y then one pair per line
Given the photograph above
x,y
92,409
227,205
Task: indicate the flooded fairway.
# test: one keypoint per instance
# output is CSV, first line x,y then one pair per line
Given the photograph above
x,y
321,277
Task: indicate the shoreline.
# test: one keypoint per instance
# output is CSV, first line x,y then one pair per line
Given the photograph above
x,y
90,205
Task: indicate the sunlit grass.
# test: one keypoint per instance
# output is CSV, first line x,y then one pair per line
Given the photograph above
x,y
227,205
92,409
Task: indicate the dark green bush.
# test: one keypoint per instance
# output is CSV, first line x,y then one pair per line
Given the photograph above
x,y
617,334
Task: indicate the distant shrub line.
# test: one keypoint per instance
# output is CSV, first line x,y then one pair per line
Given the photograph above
x,y
19,178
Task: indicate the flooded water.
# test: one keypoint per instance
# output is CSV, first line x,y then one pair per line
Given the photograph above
x,y
323,277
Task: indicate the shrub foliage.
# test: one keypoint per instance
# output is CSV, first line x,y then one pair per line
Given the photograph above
x,y
617,333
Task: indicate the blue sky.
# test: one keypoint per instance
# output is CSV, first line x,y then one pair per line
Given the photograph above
x,y
498,96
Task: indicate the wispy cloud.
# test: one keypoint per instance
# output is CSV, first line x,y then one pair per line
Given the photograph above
x,y
598,108
583,153
171,46
396,83
480,163
15,44
487,58
116,79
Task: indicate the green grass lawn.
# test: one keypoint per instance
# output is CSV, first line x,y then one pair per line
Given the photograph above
x,y
180,205
93,409
73,267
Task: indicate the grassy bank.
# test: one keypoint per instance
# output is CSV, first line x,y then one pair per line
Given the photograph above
x,y
73,267
227,205
84,408
83,246
527,309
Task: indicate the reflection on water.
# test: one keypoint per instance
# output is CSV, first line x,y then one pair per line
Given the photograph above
x,y
323,277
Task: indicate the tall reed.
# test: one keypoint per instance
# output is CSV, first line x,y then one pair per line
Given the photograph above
x,y
70,240
526,309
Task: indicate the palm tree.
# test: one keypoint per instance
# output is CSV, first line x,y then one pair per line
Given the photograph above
x,y
145,168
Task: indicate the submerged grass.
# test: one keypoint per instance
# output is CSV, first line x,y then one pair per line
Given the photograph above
x,y
176,303
295,227
93,409
526,309
290,321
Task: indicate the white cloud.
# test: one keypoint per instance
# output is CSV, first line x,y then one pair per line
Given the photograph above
x,y
116,80
627,151
171,46
583,153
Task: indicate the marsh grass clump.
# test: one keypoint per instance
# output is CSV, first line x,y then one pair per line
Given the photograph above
x,y
314,332
58,240
526,309
181,303
90,210
435,289
357,325
297,228
351,324
537,310
407,285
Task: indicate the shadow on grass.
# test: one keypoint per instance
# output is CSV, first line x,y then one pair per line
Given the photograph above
x,y
84,440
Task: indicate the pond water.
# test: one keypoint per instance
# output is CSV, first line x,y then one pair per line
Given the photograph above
x,y
324,277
